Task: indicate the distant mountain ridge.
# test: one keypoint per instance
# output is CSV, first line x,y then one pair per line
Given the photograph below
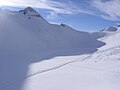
x,y
111,29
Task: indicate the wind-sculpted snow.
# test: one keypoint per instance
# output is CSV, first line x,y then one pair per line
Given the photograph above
x,y
27,38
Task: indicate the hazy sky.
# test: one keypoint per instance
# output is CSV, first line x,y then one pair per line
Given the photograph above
x,y
85,15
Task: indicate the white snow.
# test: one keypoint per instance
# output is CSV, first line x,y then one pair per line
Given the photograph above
x,y
37,55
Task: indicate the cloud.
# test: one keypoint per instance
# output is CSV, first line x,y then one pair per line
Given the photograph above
x,y
53,6
52,15
33,3
66,8
108,9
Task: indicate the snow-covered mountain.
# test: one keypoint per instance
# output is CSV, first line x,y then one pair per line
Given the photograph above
x,y
30,46
111,29
25,34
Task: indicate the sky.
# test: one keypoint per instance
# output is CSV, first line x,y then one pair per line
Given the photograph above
x,y
83,15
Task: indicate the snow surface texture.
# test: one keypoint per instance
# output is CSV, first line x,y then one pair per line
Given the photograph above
x,y
37,55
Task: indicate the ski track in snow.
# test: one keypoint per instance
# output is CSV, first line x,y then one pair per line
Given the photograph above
x,y
57,67
42,71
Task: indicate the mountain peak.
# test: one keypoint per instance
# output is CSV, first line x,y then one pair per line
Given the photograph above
x,y
111,29
30,12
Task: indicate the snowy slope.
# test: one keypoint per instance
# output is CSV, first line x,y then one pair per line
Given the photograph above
x,y
96,71
37,55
